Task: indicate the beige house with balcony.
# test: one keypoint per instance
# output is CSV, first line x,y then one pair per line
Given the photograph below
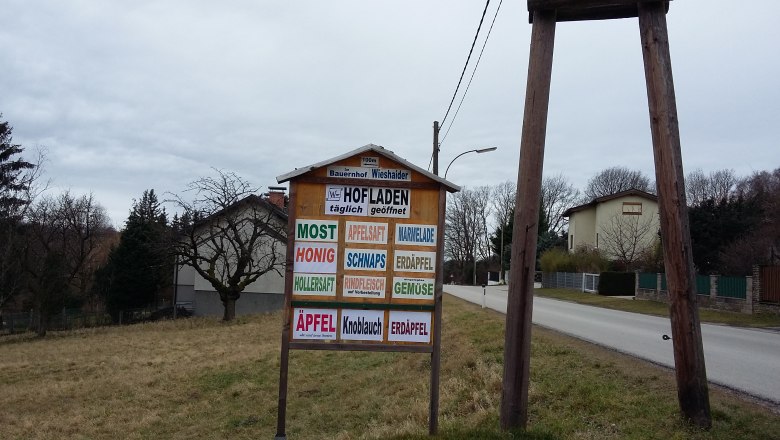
x,y
623,225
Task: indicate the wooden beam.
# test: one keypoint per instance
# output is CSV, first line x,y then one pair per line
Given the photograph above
x,y
517,345
580,10
690,370
534,5
341,346
284,360
433,418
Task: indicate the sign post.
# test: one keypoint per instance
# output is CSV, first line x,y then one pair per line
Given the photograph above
x,y
364,261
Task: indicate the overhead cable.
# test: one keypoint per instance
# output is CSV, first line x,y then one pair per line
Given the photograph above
x,y
463,73
472,73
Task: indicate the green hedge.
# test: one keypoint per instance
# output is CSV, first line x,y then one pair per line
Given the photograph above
x,y
616,283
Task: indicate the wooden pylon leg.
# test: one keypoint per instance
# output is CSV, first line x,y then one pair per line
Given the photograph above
x,y
517,345
691,374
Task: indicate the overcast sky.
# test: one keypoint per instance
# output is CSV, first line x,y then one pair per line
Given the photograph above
x,y
127,96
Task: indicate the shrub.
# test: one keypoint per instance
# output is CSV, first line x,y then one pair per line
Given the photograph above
x,y
556,260
590,260
616,283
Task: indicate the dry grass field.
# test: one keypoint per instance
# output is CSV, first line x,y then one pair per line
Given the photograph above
x,y
202,379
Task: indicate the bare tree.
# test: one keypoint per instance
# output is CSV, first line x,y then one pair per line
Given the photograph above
x,y
558,195
61,238
235,236
719,185
628,238
614,180
466,239
503,202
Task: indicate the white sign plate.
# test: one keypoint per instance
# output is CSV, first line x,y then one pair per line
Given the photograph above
x,y
370,173
366,232
414,261
413,288
367,201
363,287
421,235
365,259
317,230
362,325
315,323
409,326
314,284
315,257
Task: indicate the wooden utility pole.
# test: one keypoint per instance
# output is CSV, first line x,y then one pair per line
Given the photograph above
x,y
688,351
692,391
517,346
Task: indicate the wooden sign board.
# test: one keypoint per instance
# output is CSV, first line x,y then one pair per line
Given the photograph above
x,y
364,257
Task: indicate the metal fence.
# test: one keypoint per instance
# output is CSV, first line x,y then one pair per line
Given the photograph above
x,y
647,280
562,280
732,287
702,284
727,287
68,319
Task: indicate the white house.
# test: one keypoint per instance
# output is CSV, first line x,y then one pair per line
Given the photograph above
x,y
195,293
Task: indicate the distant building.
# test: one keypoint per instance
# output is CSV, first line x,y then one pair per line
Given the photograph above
x,y
609,223
266,294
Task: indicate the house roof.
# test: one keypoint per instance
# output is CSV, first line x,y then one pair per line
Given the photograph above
x,y
602,199
451,187
252,198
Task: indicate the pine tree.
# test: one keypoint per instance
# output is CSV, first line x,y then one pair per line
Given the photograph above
x,y
140,266
11,183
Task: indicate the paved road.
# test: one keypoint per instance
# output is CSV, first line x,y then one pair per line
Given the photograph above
x,y
742,359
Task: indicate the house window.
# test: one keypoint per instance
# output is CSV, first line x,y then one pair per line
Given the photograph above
x,y
632,208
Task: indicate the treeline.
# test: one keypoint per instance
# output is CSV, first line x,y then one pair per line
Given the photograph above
x,y
733,223
60,251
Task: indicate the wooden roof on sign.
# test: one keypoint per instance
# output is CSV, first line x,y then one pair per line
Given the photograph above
x,y
368,149
579,10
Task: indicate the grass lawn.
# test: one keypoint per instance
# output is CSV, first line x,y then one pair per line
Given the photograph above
x,y
659,309
202,379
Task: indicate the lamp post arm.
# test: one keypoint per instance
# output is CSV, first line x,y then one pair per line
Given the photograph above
x,y
453,160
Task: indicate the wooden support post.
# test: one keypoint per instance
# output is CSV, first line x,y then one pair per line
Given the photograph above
x,y
433,418
517,345
284,359
691,374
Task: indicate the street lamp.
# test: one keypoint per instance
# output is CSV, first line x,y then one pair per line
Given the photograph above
x,y
478,151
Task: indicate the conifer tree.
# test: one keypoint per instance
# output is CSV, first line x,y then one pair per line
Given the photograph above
x,y
140,266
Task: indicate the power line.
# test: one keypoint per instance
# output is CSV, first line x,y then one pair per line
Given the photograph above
x,y
472,73
473,43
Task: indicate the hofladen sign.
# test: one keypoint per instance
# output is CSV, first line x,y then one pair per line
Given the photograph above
x,y
366,201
